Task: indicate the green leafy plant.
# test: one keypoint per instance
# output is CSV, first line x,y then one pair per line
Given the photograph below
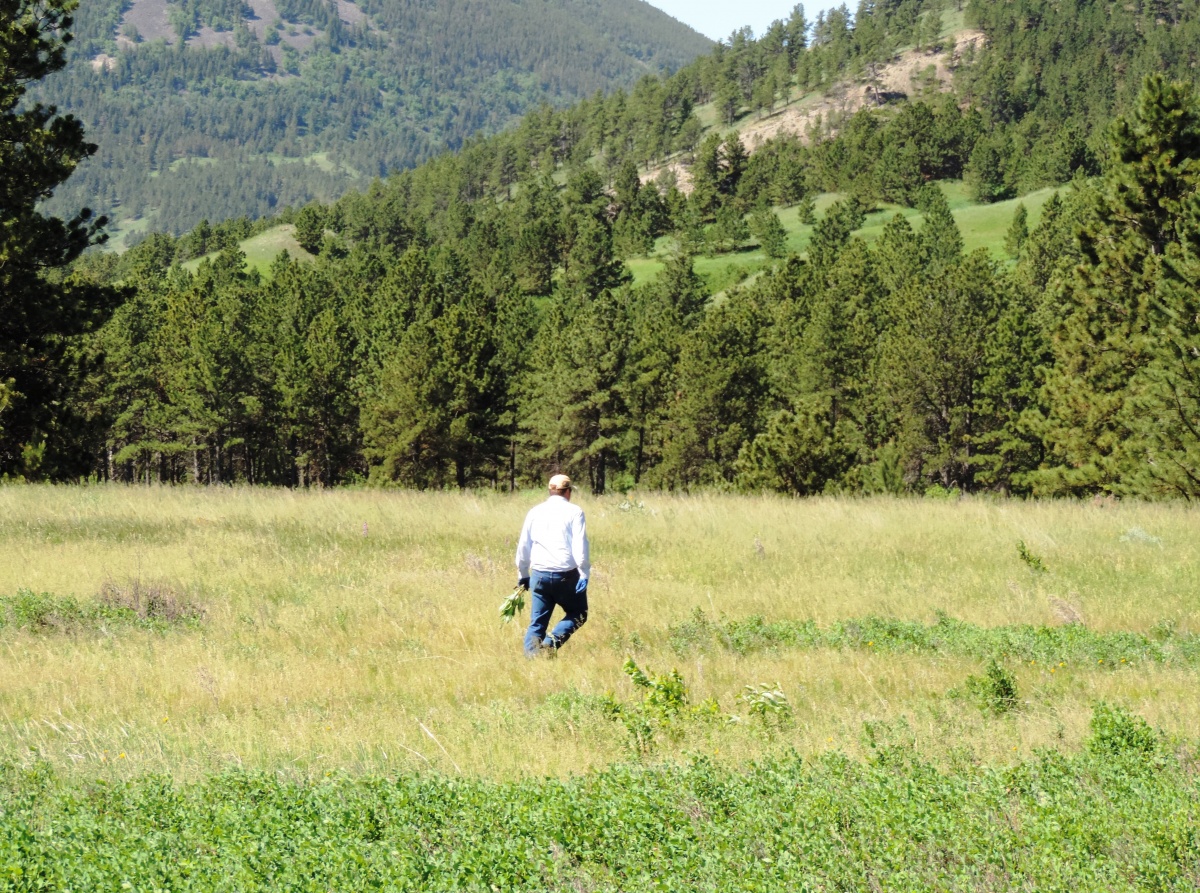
x,y
1033,562
663,711
995,691
768,703
1116,731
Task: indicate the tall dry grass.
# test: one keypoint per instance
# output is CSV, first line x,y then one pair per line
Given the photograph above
x,y
358,630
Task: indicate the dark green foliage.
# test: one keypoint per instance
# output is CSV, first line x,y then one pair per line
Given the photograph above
x,y
1084,823
1116,732
310,230
764,225
995,691
720,387
1018,232
434,415
933,359
41,319
1121,408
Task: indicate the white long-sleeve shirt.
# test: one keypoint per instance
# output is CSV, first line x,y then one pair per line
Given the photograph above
x,y
554,538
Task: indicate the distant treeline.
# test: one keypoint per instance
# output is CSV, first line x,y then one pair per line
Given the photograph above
x,y
472,322
438,342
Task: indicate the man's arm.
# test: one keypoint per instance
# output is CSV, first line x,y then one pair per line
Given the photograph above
x,y
579,548
524,548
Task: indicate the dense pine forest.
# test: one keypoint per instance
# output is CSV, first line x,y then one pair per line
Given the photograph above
x,y
473,322
214,109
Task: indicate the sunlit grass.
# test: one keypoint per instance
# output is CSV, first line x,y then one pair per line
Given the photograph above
x,y
360,629
262,250
982,226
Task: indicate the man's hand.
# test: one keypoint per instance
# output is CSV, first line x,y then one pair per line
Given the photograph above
x,y
581,586
523,583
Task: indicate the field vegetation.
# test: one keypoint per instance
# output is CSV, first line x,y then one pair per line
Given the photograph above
x,y
235,689
184,631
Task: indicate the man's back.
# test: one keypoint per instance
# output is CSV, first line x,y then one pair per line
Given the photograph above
x,y
554,538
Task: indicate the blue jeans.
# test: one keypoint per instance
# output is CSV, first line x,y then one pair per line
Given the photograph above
x,y
546,590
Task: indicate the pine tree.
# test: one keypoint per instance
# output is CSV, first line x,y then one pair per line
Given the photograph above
x,y
660,316
822,346
707,177
832,234
1018,232
40,321
720,390
941,242
729,230
434,417
932,359
1100,426
574,412
766,227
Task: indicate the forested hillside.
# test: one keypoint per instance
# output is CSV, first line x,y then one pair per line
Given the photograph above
x,y
222,108
474,320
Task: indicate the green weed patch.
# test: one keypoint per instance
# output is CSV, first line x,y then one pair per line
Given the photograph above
x,y
1071,643
117,606
1119,816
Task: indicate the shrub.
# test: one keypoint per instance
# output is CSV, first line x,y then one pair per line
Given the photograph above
x,y
1116,731
995,691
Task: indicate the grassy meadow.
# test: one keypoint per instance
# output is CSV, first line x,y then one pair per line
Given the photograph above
x,y
358,630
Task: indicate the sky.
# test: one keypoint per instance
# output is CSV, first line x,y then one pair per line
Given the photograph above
x,y
720,18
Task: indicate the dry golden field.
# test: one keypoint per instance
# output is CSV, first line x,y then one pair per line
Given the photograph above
x,y
358,630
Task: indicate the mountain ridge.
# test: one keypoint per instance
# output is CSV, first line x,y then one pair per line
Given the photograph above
x,y
215,109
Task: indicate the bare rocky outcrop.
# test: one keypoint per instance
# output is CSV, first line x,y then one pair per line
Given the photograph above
x,y
900,78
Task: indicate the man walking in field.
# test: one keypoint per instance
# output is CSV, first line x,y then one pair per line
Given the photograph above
x,y
552,562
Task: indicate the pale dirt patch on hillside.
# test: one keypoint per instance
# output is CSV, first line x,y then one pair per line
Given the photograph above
x,y
150,19
683,175
265,12
349,13
892,80
206,38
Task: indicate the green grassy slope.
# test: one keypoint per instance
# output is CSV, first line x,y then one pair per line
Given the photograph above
x,y
261,250
982,226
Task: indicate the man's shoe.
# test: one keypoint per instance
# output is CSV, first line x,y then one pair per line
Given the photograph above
x,y
543,648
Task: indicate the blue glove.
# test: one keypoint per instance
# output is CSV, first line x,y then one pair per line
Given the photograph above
x,y
523,583
581,586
